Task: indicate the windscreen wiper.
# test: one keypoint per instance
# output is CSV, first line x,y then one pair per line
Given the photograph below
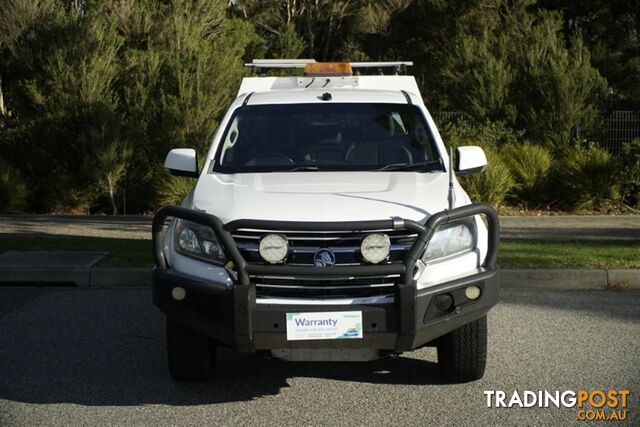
x,y
427,166
302,168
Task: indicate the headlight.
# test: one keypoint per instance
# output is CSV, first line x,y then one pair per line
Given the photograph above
x,y
273,248
452,239
375,248
197,241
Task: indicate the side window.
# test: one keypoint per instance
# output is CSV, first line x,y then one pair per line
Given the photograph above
x,y
232,137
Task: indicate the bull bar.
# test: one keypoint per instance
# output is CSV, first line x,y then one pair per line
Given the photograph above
x,y
244,292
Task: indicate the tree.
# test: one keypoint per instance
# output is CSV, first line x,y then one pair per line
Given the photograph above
x,y
510,63
108,151
93,87
322,27
95,92
610,30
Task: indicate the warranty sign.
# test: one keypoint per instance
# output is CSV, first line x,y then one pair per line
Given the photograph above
x,y
328,325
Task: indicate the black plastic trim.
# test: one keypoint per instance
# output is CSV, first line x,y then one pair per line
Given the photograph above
x,y
470,171
406,95
246,99
349,271
176,172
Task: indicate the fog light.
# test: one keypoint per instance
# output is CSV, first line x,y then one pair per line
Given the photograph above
x,y
273,248
444,302
178,293
375,248
472,293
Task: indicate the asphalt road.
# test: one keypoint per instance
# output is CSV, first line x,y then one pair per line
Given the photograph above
x,y
96,356
560,227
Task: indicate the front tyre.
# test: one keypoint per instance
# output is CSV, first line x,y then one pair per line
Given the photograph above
x,y
191,354
462,354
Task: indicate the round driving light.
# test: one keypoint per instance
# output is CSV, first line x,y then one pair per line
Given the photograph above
x,y
375,248
472,293
444,302
178,293
273,248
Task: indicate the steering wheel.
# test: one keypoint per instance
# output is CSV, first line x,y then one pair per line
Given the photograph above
x,y
270,158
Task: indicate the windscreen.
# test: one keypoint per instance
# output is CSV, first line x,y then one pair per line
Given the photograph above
x,y
327,137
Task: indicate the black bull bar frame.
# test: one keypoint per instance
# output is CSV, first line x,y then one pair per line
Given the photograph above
x,y
244,290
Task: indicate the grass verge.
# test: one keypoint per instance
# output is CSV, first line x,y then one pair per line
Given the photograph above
x,y
569,254
513,253
120,252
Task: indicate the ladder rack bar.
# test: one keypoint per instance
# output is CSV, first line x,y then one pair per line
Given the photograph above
x,y
279,63
300,63
381,64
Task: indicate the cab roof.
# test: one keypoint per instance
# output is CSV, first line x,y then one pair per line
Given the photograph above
x,y
309,96
343,89
329,82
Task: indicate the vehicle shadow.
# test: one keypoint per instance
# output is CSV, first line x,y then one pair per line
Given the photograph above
x,y
107,348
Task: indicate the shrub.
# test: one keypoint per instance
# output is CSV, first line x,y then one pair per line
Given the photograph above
x,y
492,185
13,189
586,177
530,166
630,173
171,190
489,134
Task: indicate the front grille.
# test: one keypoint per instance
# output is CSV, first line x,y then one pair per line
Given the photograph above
x,y
334,288
302,248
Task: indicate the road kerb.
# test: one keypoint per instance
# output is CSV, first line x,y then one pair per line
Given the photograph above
x,y
622,277
554,278
46,276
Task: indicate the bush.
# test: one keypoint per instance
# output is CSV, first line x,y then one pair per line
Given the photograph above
x,y
530,166
487,135
630,173
13,189
492,185
585,178
171,190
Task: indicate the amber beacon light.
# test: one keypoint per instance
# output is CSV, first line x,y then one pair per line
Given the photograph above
x,y
315,69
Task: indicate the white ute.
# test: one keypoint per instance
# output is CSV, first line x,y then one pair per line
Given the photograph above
x,y
327,224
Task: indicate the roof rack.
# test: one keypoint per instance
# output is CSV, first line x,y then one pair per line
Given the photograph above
x,y
279,63
262,65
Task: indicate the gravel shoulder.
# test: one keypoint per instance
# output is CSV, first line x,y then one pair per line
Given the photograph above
x,y
571,227
125,227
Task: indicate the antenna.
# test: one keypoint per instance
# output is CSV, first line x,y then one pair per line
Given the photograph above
x,y
451,198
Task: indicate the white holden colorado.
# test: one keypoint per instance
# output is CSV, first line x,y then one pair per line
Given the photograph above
x,y
326,223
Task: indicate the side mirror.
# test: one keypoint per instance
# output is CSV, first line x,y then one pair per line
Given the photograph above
x,y
470,160
182,162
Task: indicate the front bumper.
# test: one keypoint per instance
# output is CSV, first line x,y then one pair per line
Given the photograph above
x,y
209,308
231,315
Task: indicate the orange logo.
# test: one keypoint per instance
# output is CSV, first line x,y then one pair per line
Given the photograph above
x,y
604,405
